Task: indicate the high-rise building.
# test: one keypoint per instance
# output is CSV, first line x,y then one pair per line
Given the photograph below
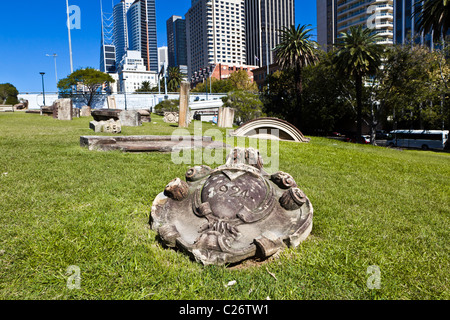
x,y
120,28
141,19
108,58
176,42
264,20
375,14
326,23
107,48
163,57
215,33
406,30
336,16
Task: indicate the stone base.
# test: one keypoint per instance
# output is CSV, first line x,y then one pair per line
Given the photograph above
x,y
149,143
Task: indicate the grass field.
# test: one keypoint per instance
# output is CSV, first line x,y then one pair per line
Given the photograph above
x,y
62,205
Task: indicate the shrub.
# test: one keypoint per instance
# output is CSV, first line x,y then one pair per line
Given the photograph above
x,y
167,106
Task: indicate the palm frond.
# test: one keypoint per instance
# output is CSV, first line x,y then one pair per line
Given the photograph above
x,y
296,47
433,16
358,52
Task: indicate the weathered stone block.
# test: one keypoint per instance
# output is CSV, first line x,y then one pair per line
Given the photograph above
x,y
184,119
109,126
111,100
64,109
106,114
171,117
130,118
96,126
145,115
112,126
76,112
85,111
226,117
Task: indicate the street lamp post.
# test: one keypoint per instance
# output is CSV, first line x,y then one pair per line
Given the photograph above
x,y
43,88
165,81
125,92
206,84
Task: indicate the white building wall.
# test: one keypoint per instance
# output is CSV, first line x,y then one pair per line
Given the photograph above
x,y
134,101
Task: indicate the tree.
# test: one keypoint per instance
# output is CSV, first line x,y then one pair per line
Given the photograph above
x,y
175,79
296,51
327,102
240,80
88,83
327,98
409,87
145,87
8,94
168,105
358,56
279,98
434,17
248,106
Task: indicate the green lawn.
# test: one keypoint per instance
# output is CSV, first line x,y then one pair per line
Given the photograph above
x,y
62,205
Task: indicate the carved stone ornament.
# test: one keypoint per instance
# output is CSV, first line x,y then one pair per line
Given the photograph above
x,y
232,213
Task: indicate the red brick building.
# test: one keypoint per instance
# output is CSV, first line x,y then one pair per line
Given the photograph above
x,y
260,74
220,71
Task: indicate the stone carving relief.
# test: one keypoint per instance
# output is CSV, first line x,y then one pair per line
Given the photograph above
x,y
232,213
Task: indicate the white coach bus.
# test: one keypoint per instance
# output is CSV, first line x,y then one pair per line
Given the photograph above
x,y
424,139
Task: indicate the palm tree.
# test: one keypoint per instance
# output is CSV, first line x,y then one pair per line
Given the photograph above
x,y
145,87
175,78
433,17
358,56
296,51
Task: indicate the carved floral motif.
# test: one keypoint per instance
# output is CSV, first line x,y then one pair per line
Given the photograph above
x,y
234,212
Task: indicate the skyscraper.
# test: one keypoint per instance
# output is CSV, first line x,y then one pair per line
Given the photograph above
x,y
326,23
406,29
264,19
141,19
108,58
215,33
176,42
120,28
340,15
107,49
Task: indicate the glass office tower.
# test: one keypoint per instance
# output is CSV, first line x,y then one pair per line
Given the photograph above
x,y
176,42
141,19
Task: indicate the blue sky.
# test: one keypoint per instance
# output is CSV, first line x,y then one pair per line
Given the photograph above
x,y
30,29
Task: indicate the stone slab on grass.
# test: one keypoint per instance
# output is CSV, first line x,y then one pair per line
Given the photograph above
x,y
149,143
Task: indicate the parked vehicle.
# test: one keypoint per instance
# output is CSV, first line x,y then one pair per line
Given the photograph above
x,y
352,138
423,139
382,135
366,139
